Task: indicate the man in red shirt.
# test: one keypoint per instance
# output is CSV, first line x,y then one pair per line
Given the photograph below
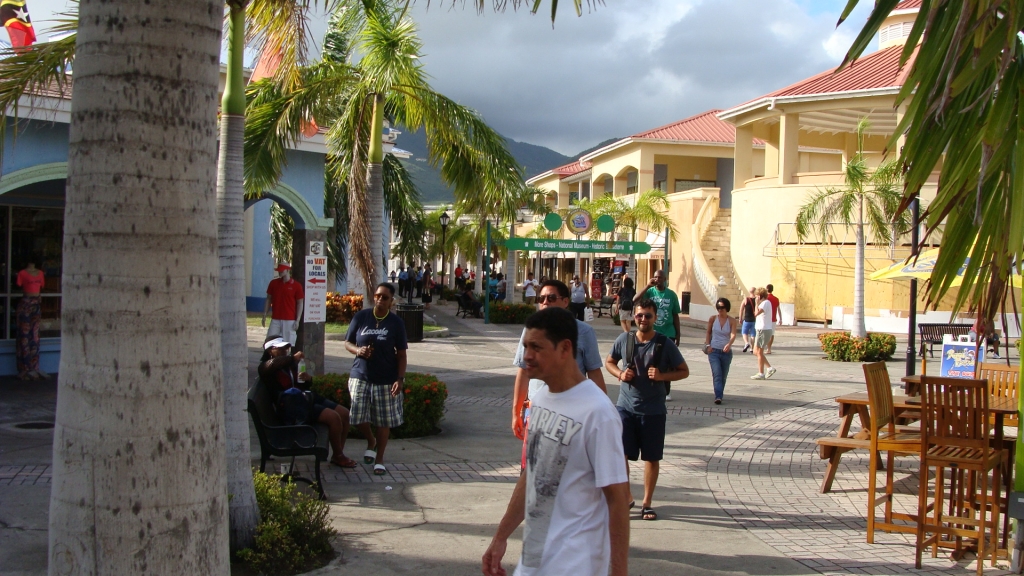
x,y
776,316
285,298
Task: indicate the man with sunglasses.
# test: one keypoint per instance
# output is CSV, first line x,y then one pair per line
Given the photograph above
x,y
377,339
650,361
553,293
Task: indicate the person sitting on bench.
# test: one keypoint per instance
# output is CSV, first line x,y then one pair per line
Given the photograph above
x,y
470,303
295,404
983,329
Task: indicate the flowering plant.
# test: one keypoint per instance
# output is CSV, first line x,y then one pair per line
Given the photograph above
x,y
342,307
841,347
423,406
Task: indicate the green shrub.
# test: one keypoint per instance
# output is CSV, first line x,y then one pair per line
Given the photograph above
x,y
449,294
423,408
294,534
502,313
841,347
342,307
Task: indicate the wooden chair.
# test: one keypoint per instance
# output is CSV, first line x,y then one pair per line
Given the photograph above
x,y
1002,383
955,429
885,436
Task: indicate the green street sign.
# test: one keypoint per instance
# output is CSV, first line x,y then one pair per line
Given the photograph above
x,y
586,246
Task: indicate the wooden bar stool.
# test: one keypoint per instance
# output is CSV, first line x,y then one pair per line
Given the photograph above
x,y
955,428
1002,383
886,437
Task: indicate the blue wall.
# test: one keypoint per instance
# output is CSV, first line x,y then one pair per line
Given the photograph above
x,y
35,143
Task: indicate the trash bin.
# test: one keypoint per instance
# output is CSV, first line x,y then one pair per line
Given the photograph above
x,y
412,315
684,305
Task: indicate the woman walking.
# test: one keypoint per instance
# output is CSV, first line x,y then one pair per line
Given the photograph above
x,y
748,318
625,297
31,280
718,345
428,290
765,329
578,293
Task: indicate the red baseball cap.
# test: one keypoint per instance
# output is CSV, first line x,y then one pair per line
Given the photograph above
x,y
282,266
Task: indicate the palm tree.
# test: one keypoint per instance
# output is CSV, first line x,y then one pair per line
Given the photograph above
x,y
869,198
962,108
648,212
138,450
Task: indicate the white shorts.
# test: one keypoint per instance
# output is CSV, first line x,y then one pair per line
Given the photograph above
x,y
282,329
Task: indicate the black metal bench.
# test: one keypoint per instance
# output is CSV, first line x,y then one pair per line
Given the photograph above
x,y
931,334
285,441
465,306
604,305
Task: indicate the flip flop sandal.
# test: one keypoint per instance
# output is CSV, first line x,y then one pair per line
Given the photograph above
x,y
648,513
345,463
370,456
632,504
379,470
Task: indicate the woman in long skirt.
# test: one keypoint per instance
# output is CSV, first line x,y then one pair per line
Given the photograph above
x,y
31,281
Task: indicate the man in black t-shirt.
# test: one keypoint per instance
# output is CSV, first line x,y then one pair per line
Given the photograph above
x,y
377,339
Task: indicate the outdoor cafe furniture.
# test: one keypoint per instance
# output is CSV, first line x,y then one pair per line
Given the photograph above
x,y
885,436
955,428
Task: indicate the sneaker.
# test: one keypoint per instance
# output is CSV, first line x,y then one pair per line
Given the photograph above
x,y
757,376
771,372
746,348
668,398
718,400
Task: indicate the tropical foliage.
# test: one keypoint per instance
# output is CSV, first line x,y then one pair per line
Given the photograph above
x,y
963,95
423,404
869,198
842,347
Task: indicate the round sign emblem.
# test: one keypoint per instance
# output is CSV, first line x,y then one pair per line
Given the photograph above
x,y
605,224
552,222
579,222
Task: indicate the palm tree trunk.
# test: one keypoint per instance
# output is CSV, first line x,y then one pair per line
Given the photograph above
x,y
859,329
243,511
479,270
138,450
373,274
510,268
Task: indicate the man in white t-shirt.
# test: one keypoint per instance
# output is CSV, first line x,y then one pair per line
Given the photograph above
x,y
574,494
529,289
764,330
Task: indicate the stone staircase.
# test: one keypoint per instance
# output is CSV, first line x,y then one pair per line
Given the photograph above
x,y
716,251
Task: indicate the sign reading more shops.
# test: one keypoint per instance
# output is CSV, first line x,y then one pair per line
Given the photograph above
x,y
589,246
315,306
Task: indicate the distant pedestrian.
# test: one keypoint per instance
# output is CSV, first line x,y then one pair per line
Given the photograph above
x,y
428,290
501,287
530,289
393,276
574,493
419,281
649,361
667,322
578,297
460,281
403,281
764,330
284,303
747,316
776,315
625,303
28,316
377,339
718,341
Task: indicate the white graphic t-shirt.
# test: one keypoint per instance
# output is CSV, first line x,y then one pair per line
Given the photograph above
x,y
574,448
764,320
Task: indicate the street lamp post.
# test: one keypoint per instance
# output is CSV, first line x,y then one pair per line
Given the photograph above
x,y
445,219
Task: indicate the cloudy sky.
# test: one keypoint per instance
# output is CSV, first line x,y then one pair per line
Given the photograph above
x,y
627,66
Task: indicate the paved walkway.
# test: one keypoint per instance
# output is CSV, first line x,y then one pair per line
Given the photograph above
x,y
738,492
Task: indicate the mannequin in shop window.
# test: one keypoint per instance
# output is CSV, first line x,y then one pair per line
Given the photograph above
x,y
31,280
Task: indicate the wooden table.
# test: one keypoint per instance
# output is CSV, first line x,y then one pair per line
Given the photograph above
x,y
857,404
912,385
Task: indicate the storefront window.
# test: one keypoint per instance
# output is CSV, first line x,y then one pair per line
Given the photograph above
x,y
32,235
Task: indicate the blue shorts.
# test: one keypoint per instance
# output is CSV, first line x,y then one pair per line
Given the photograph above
x,y
748,329
643,437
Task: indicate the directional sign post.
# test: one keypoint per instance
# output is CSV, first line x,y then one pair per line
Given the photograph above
x,y
586,246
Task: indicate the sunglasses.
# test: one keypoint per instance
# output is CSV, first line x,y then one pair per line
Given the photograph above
x,y
643,316
719,307
549,299
381,296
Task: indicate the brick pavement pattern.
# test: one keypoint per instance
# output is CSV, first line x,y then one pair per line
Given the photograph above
x,y
767,476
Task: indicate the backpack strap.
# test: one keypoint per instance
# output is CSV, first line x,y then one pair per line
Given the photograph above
x,y
630,349
659,349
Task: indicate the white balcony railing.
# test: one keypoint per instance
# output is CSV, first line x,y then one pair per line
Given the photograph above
x,y
701,270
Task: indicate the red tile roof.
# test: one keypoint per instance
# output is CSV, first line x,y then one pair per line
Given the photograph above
x,y
907,4
570,169
704,127
878,70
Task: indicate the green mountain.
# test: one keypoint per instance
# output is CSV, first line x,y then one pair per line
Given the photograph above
x,y
534,159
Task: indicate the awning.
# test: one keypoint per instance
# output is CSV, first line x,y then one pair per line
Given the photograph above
x,y
656,240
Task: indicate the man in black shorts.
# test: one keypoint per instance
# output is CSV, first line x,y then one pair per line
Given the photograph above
x,y
650,360
280,372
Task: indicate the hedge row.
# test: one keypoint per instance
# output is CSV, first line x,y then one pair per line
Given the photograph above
x,y
841,347
423,407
